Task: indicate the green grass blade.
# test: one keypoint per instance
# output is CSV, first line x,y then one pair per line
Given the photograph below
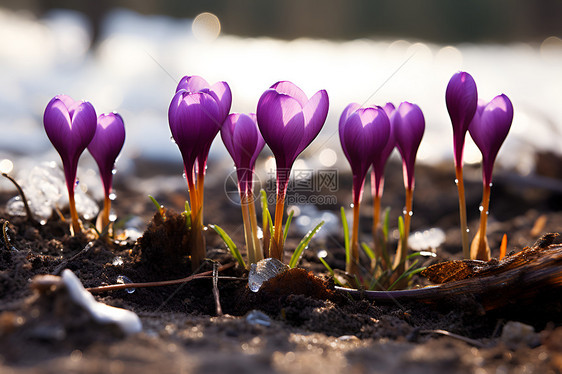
x,y
401,227
345,236
159,207
287,224
403,275
303,244
368,251
266,216
230,244
331,271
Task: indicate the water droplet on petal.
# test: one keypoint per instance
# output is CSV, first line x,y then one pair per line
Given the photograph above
x,y
456,181
481,208
114,171
121,279
351,205
112,196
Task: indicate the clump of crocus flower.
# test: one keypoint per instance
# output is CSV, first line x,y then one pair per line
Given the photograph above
x,y
105,147
461,98
288,122
196,114
488,129
364,134
377,185
408,124
244,142
70,126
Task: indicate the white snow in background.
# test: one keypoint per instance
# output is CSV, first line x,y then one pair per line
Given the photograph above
x,y
135,68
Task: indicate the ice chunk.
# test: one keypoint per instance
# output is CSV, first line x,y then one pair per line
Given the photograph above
x,y
264,270
128,321
121,279
257,317
45,188
426,240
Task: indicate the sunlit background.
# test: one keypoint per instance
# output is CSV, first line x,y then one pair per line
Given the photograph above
x,y
128,56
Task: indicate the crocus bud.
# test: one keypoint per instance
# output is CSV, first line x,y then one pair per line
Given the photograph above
x,y
363,134
461,98
244,142
289,121
106,145
489,128
194,122
222,96
408,125
70,126
380,161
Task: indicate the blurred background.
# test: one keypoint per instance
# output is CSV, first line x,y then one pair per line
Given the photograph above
x,y
127,56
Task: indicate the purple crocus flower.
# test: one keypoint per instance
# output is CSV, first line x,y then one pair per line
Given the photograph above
x,y
461,98
289,121
379,162
244,142
70,126
363,134
489,128
408,125
106,145
194,122
222,95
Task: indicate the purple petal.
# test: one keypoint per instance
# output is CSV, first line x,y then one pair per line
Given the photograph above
x,y
290,89
363,135
106,145
389,108
461,97
315,112
70,131
192,84
489,128
193,123
221,91
56,120
408,124
281,123
348,111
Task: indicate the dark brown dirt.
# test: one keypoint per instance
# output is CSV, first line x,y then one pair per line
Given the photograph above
x,y
311,327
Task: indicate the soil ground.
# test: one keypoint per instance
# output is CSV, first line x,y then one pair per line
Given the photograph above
x,y
308,327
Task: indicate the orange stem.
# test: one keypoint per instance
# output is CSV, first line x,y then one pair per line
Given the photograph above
x,y
462,212
73,214
277,242
353,266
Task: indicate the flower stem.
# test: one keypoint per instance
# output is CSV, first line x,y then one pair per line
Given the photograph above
x,y
104,216
197,240
254,222
352,266
276,250
462,212
377,245
479,249
247,229
73,213
401,252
